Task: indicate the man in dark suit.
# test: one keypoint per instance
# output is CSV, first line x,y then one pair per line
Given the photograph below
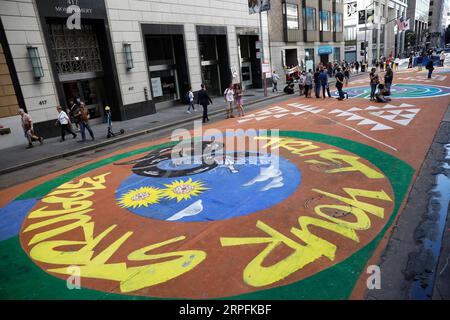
x,y
204,100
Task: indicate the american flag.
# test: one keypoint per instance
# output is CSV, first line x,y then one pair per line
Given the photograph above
x,y
402,24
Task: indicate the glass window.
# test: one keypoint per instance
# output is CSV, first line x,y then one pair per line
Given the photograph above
x,y
337,25
207,47
350,33
325,21
337,54
310,19
160,50
292,16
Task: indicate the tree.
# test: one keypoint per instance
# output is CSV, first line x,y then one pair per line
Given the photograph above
x,y
410,38
435,36
447,34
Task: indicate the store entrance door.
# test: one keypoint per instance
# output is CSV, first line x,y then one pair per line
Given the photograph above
x,y
90,91
324,59
210,76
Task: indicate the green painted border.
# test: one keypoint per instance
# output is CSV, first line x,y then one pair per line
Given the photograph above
x,y
20,278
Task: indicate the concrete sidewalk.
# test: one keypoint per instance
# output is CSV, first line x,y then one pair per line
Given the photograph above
x,y
18,157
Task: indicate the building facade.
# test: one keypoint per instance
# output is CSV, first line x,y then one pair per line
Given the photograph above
x,y
305,33
437,22
136,56
370,28
418,14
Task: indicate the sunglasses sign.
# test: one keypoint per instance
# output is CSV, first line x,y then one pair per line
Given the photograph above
x,y
257,6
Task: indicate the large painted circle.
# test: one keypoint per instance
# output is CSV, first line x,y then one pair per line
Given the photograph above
x,y
401,91
341,274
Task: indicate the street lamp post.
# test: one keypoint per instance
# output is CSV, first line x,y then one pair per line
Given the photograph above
x,y
263,74
365,30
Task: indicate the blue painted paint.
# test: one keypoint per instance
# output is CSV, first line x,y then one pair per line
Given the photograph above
x,y
12,216
226,197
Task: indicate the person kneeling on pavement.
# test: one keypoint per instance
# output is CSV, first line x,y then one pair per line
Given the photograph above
x,y
289,89
382,94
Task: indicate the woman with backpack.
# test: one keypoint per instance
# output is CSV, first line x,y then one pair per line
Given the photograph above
x,y
190,99
84,123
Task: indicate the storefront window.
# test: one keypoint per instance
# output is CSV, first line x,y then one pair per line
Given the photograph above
x,y
292,16
325,21
207,47
75,51
337,54
338,22
310,19
309,59
161,50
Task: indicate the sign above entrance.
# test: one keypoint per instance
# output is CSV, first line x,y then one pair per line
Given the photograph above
x,y
325,50
92,9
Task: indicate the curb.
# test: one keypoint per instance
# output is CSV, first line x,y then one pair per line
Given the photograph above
x,y
123,138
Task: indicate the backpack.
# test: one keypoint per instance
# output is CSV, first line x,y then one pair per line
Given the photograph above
x,y
185,98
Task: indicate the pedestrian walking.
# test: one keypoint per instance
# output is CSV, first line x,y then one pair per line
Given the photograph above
x,y
74,109
204,100
410,63
419,62
374,81
396,63
238,100
357,67
190,100
317,83
340,84
229,99
301,83
84,123
28,130
64,122
275,79
308,83
347,75
324,83
430,68
442,58
388,79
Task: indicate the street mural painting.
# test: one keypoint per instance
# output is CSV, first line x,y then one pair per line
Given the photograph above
x,y
278,112
391,114
247,224
401,91
424,78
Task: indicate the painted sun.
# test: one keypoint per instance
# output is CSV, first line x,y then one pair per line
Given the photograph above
x,y
183,190
142,197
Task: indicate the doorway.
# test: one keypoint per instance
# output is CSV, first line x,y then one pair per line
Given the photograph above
x,y
324,58
291,58
215,69
90,91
